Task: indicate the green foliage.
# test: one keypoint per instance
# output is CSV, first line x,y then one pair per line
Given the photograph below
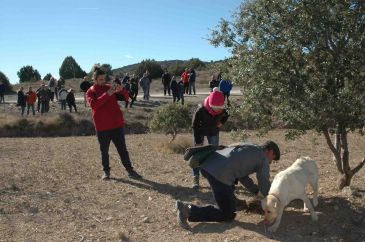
x,y
47,77
195,63
28,74
4,79
154,69
298,61
171,119
70,69
177,68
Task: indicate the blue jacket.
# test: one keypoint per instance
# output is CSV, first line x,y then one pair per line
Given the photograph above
x,y
225,86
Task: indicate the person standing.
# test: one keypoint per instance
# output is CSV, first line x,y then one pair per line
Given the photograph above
x,y
62,97
207,121
125,79
144,82
192,77
71,101
52,87
109,121
31,99
42,95
185,80
166,79
213,83
175,90
2,92
225,86
22,100
224,167
134,89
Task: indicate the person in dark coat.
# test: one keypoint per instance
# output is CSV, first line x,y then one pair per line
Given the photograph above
x,y
22,100
166,79
206,122
174,86
71,101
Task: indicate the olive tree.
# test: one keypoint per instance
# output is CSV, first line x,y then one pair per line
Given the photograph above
x,y
171,119
302,62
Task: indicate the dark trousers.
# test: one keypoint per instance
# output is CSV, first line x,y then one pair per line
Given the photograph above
x,y
166,89
133,96
118,139
63,104
2,100
52,96
186,88
30,106
192,87
22,109
70,105
224,197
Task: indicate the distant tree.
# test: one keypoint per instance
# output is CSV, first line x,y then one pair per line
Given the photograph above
x,y
301,62
4,79
151,66
47,77
177,68
28,74
70,69
171,119
195,63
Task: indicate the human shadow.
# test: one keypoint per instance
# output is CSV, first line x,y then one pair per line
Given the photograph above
x,y
338,218
176,192
148,103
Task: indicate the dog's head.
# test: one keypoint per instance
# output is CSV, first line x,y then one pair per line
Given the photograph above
x,y
270,205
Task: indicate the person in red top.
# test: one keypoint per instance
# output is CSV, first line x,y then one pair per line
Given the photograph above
x,y
108,120
185,80
31,98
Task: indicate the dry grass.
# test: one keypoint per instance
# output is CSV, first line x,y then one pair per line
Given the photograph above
x,y
50,190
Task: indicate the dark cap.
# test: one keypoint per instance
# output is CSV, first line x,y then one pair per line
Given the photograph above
x,y
271,145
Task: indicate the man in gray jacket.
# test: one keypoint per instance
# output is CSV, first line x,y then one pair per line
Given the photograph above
x,y
222,168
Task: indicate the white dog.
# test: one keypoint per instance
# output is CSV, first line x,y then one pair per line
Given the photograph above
x,y
289,185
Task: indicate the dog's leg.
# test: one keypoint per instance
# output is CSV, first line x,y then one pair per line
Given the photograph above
x,y
308,204
314,185
275,226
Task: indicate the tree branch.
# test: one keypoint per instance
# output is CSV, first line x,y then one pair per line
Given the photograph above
x,y
333,149
345,153
358,167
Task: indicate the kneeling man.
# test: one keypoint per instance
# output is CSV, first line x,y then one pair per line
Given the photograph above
x,y
222,168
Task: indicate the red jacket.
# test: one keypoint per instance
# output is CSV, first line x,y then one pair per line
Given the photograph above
x,y
31,97
185,77
105,109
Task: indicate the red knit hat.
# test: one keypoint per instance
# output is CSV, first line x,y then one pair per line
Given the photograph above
x,y
216,99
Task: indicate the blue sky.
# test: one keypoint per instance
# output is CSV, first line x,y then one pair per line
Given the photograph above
x,y
42,33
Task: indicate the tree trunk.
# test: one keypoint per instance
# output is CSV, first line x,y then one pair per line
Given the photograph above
x,y
174,134
342,156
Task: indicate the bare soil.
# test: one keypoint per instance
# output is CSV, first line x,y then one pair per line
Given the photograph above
x,y
50,190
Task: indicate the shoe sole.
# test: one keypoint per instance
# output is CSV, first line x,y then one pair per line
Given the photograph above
x,y
180,218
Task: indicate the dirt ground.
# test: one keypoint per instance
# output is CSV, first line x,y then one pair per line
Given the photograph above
x,y
50,190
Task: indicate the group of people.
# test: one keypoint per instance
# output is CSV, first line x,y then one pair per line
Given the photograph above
x,y
45,94
223,168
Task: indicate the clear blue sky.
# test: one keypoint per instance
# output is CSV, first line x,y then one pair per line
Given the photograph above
x,y
42,33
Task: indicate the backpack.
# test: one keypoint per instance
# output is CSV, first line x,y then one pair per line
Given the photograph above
x,y
196,156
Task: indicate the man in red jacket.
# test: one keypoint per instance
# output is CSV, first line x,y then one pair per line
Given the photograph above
x,y
109,121
185,80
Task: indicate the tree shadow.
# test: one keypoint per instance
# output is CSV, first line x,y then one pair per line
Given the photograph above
x,y
148,103
176,192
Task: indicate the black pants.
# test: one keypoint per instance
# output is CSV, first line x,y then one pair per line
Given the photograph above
x,y
186,88
2,100
166,89
133,96
118,139
224,197
70,105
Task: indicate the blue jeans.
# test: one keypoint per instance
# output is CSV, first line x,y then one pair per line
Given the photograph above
x,y
212,140
117,137
223,196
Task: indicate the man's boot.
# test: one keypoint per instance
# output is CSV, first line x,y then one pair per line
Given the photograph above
x,y
196,182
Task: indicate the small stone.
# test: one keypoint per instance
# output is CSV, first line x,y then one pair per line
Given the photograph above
x,y
149,198
314,233
109,218
146,220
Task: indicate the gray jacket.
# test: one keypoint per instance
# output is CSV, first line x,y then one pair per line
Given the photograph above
x,y
233,163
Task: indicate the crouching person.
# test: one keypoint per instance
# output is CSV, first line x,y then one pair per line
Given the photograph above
x,y
222,169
